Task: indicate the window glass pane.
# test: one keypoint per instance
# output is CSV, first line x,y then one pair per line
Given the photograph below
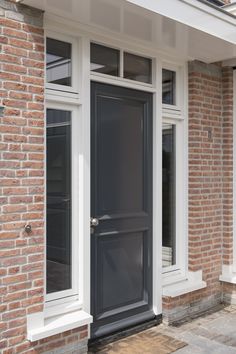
x,y
58,200
168,196
168,87
137,68
104,60
58,62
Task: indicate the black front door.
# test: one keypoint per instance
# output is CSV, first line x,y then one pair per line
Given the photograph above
x,y
121,190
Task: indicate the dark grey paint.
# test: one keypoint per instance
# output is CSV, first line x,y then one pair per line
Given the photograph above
x,y
121,189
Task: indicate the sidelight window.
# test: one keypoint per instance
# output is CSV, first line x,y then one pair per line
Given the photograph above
x,y
174,174
59,262
168,195
168,87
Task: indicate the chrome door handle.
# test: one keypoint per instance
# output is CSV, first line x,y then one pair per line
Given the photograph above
x,y
94,222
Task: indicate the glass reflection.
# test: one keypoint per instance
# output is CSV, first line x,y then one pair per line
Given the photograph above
x,y
58,200
168,87
104,60
137,68
58,62
168,196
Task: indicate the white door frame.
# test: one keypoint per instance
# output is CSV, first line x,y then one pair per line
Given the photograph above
x,y
84,77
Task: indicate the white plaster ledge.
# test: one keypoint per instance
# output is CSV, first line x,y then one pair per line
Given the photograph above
x,y
38,328
193,282
228,274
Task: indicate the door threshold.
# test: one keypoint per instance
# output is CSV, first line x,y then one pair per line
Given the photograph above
x,y
97,343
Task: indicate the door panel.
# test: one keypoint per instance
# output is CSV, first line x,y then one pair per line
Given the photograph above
x,y
120,179
121,190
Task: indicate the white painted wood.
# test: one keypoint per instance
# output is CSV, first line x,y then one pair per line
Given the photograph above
x,y
75,127
228,274
81,155
57,325
189,12
157,189
192,282
170,26
178,271
74,88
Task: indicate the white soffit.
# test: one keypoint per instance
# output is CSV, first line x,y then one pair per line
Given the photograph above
x,y
196,14
185,29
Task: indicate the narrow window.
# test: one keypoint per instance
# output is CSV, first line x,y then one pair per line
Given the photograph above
x,y
58,62
168,196
104,60
58,200
168,87
137,68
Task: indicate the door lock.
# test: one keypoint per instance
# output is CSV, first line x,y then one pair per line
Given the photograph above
x,y
94,222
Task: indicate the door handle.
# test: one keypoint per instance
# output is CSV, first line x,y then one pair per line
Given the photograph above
x,y
94,222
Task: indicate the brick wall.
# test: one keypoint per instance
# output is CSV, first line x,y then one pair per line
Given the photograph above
x,y
227,97
22,151
22,175
210,185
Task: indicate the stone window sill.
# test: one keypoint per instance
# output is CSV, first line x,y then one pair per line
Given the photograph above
x,y
228,274
193,282
39,328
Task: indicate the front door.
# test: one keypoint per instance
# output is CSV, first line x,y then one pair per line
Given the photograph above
x,y
121,208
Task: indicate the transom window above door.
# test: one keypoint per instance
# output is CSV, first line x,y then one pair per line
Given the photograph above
x,y
115,62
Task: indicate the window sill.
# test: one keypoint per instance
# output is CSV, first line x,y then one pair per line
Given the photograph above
x,y
39,328
61,307
192,283
228,274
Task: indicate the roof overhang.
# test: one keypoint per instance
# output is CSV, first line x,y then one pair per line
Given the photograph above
x,y
183,28
231,8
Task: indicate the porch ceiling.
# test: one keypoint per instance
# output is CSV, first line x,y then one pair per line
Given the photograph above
x,y
187,29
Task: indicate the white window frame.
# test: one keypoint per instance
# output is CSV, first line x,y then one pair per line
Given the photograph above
x,y
68,99
177,115
120,79
73,292
175,110
159,61
63,90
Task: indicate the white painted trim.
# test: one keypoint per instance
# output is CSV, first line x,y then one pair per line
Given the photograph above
x,y
157,190
82,106
63,25
38,329
192,283
61,307
228,274
120,81
75,147
84,224
188,12
61,96
230,62
178,271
